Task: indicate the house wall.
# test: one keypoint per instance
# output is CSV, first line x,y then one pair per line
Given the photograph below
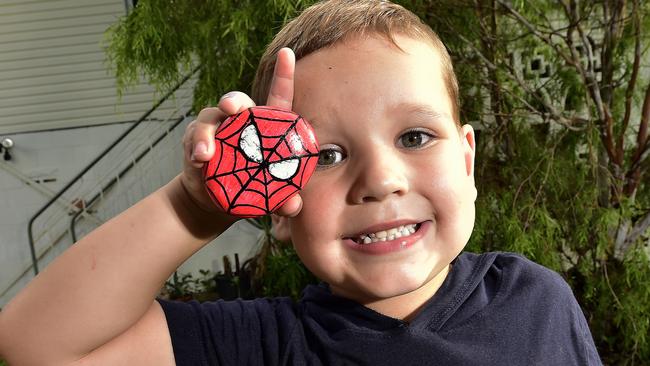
x,y
52,66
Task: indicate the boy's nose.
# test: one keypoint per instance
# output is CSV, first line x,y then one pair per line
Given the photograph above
x,y
378,177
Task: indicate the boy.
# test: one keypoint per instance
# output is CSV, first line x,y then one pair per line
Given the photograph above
x,y
382,222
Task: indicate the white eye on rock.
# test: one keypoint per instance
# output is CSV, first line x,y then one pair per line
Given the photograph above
x,y
251,144
284,169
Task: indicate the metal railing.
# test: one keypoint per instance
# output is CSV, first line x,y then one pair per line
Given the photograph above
x,y
83,205
88,206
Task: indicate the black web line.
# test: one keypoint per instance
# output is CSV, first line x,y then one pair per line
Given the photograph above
x,y
270,118
252,120
216,169
249,121
233,172
286,183
283,201
302,175
240,182
266,196
249,205
223,189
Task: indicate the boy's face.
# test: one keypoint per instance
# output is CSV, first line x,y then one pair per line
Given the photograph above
x,y
391,157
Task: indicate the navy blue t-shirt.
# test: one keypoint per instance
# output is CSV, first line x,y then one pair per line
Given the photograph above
x,y
492,309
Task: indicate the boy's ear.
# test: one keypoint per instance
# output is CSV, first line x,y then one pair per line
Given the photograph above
x,y
469,147
281,228
469,144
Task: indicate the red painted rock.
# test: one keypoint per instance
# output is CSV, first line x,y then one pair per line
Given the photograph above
x,y
263,157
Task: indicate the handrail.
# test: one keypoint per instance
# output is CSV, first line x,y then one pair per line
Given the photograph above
x,y
122,173
94,162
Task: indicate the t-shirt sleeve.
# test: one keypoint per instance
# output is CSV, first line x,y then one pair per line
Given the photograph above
x,y
586,341
581,337
228,332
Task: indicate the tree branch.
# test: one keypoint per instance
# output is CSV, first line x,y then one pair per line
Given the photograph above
x,y
591,81
610,40
536,32
642,146
640,227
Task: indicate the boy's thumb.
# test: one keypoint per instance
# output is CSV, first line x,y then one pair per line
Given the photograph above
x,y
291,207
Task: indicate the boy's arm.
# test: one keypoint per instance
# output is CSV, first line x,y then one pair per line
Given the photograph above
x,y
94,305
104,284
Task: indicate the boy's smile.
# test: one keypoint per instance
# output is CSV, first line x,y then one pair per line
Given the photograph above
x,y
392,203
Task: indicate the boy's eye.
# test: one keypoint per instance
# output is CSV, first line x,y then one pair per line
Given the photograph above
x,y
414,139
329,156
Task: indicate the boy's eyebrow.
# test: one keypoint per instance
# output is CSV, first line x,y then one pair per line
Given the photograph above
x,y
422,109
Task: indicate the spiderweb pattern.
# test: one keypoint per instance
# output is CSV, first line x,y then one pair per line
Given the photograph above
x,y
238,183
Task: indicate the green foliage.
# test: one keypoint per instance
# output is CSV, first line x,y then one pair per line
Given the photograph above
x,y
285,274
186,286
161,40
180,286
278,269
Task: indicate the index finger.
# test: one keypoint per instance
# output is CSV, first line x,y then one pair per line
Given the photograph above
x,y
281,90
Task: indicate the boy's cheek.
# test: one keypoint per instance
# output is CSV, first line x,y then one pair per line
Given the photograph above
x,y
473,193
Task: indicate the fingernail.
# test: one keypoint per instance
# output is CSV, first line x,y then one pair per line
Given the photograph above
x,y
199,148
227,95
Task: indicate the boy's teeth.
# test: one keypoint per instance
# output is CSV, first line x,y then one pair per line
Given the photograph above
x,y
390,234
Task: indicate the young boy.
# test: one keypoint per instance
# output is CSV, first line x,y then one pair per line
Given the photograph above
x,y
382,223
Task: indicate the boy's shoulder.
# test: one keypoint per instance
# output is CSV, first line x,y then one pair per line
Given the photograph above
x,y
514,304
517,268
514,276
491,288
511,293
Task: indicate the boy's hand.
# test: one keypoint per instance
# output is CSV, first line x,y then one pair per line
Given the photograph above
x,y
198,141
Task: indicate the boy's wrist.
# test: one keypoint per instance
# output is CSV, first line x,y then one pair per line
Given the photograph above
x,y
201,223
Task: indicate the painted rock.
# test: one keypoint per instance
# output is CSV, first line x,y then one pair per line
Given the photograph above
x,y
263,157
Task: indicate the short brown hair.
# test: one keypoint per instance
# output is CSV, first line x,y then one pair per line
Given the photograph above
x,y
329,22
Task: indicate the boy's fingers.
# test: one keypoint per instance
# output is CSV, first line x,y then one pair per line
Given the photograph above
x,y
291,207
199,135
187,141
281,90
235,102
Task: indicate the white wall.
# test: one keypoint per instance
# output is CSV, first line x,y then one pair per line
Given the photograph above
x,y
56,155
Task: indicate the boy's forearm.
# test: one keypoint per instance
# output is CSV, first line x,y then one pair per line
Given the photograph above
x,y
103,284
